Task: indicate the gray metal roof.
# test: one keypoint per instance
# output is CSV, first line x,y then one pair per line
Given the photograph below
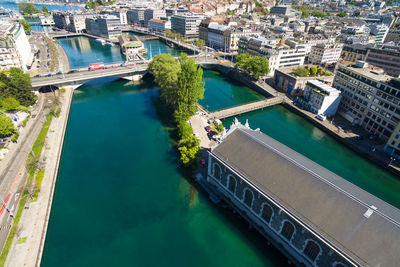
x,y
331,206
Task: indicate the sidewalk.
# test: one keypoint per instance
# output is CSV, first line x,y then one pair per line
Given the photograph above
x,y
34,221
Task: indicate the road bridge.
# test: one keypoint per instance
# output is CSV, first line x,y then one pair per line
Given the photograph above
x,y
229,112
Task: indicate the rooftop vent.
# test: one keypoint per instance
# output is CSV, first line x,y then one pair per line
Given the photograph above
x,y
369,212
361,64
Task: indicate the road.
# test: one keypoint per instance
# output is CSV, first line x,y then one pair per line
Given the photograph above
x,y
14,173
40,66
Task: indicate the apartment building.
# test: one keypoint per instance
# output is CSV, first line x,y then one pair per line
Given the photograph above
x,y
15,50
321,98
386,57
370,98
136,16
150,13
77,22
354,52
159,25
61,20
325,54
379,32
393,144
108,27
186,24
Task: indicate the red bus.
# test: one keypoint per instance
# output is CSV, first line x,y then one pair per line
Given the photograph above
x,y
96,66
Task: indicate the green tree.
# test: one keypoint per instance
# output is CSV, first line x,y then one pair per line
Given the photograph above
x,y
200,43
341,14
242,61
258,66
301,72
190,88
6,125
165,69
28,9
189,148
14,82
45,10
26,25
313,71
320,71
184,130
10,103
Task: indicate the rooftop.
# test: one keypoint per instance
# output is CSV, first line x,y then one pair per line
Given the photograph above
x,y
369,71
325,89
343,215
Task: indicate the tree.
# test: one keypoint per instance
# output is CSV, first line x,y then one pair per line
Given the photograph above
x,y
14,82
320,71
45,10
26,25
242,61
189,149
301,72
200,43
165,69
341,14
258,66
184,130
190,88
313,71
28,9
6,125
10,103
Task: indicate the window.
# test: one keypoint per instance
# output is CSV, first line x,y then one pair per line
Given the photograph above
x,y
248,198
266,212
287,230
232,184
311,250
217,171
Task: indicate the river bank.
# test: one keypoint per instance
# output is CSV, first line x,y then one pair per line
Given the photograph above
x,y
34,221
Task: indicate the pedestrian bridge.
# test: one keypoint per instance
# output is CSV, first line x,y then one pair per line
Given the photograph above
x,y
234,111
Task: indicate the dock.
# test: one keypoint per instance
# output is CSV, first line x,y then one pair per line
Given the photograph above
x,y
229,112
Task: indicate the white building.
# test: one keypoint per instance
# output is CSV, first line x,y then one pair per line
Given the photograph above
x,y
216,36
379,31
186,24
153,14
158,25
325,54
322,98
123,17
15,50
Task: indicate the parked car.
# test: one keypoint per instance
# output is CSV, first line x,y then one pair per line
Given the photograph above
x,y
321,117
37,75
203,163
207,128
60,72
49,75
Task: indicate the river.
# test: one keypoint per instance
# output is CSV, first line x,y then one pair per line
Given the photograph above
x,y
121,198
12,5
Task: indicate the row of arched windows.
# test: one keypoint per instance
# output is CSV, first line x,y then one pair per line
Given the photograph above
x,y
311,249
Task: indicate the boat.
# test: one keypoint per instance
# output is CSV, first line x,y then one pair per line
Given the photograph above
x,y
101,41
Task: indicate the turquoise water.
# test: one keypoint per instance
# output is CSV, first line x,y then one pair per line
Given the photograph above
x,y
220,92
122,200
83,51
295,132
51,7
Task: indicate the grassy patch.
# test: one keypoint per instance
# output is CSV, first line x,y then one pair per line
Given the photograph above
x,y
38,184
31,163
22,240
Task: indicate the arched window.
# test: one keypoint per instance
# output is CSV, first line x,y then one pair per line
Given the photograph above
x,y
287,230
232,184
266,212
223,180
311,250
248,197
217,171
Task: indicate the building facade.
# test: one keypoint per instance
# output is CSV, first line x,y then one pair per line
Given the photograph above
x,y
136,16
150,13
186,24
158,25
369,98
321,98
386,57
301,208
354,52
325,54
108,27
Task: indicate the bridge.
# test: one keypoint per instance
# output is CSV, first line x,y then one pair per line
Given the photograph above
x,y
80,76
229,112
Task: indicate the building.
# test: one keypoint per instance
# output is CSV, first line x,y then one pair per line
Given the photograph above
x,y
61,20
136,16
77,22
186,24
150,13
293,85
379,31
325,54
216,37
159,25
15,50
386,57
312,215
131,47
394,34
320,98
108,26
393,145
370,98
354,52
123,17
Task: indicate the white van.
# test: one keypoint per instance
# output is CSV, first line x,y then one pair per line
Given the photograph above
x,y
321,117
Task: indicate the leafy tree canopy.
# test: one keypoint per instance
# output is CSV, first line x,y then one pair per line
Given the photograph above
x,y
6,125
28,9
10,104
17,84
256,66
26,25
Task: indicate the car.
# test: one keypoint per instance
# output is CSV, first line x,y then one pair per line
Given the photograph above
x,y
72,71
321,117
60,72
207,128
36,76
115,66
49,75
203,163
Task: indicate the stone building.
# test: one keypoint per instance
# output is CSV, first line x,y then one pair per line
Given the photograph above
x,y
313,216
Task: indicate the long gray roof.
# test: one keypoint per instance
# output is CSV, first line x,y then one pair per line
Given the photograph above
x,y
334,208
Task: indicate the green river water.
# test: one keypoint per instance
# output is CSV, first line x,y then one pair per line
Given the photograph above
x,y
121,198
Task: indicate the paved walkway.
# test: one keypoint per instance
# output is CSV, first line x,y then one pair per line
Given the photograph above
x,y
198,123
34,221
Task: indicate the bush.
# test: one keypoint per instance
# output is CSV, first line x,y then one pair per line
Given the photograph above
x,y
10,103
189,149
6,125
15,137
220,127
184,130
